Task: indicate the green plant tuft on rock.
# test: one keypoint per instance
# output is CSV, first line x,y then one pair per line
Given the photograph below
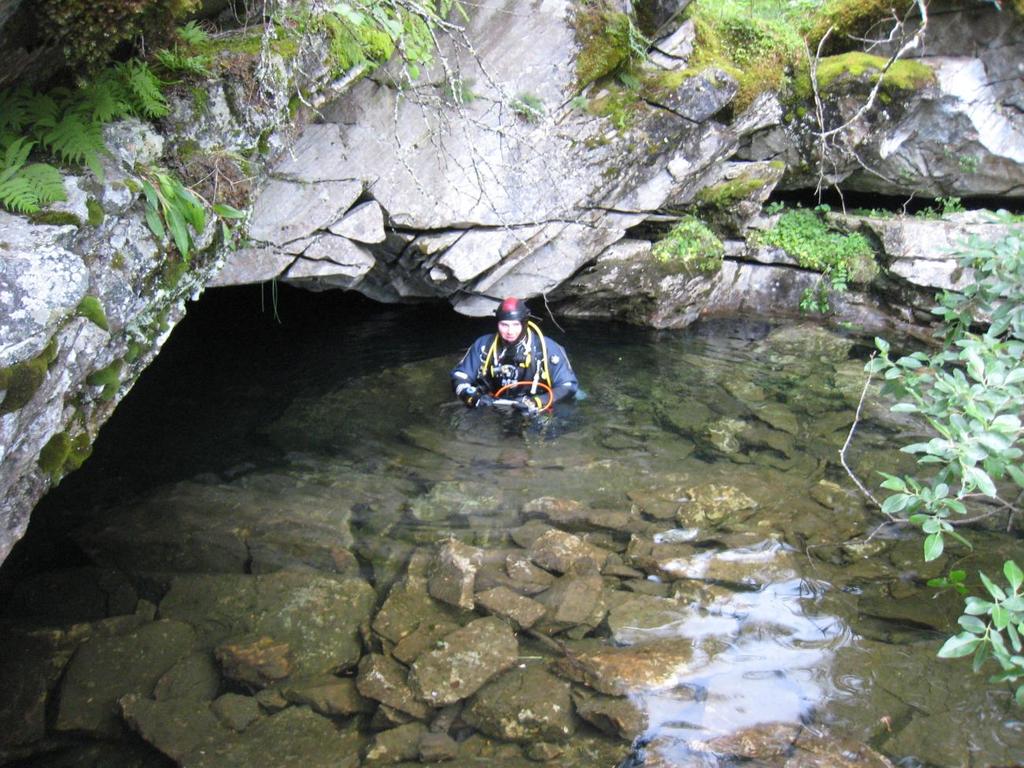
x,y
755,48
849,19
728,193
841,258
608,39
63,454
528,106
20,381
92,31
109,378
902,75
96,214
91,309
691,247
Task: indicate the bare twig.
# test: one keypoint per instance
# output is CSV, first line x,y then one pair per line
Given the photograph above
x,y
846,445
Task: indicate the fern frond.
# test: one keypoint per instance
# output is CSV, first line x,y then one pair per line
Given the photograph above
x,y
46,182
193,34
16,195
103,100
144,88
14,108
42,110
175,61
75,140
15,156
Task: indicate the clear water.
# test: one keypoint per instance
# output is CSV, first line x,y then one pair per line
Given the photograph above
x,y
347,405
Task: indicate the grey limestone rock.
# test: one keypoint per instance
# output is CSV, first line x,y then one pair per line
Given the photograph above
x,y
465,661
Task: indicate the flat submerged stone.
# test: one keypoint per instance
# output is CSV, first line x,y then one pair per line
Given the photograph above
x,y
467,659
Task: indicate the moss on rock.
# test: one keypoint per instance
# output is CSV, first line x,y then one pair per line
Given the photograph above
x,y
901,76
91,309
848,19
20,382
96,213
728,193
63,453
755,51
109,378
608,39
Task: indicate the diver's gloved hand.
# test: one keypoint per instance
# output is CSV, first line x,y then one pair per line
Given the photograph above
x,y
527,405
485,401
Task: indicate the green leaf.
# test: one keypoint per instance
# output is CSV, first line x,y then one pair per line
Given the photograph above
x,y
1014,575
1019,696
933,547
1000,617
156,226
994,590
1014,637
179,231
227,212
896,503
972,624
978,478
958,646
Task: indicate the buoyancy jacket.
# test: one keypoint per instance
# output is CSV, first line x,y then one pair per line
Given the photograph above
x,y
490,364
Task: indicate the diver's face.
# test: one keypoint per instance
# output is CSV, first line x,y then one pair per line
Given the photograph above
x,y
509,330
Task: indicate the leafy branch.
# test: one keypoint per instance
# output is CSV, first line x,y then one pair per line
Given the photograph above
x,y
969,393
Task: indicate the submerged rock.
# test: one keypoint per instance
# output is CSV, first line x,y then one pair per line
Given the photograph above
x,y
29,669
572,601
383,679
327,695
619,671
506,604
194,677
396,745
563,552
104,669
453,574
640,618
313,620
465,660
293,738
407,607
525,704
713,504
257,663
619,716
176,728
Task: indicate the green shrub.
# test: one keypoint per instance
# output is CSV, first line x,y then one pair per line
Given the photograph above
x,y
840,258
690,246
969,394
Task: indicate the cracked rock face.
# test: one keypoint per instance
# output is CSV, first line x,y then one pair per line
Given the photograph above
x,y
476,203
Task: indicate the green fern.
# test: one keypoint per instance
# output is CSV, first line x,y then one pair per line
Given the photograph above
x,y
144,86
14,109
193,34
104,100
76,140
176,61
24,188
46,182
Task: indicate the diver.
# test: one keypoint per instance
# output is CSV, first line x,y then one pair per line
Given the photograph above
x,y
517,366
